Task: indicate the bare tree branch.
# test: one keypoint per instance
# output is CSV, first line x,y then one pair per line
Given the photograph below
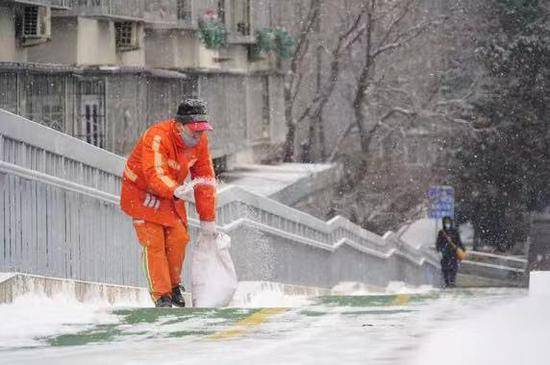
x,y
290,87
345,41
339,141
398,19
295,87
407,36
311,19
463,100
386,205
380,123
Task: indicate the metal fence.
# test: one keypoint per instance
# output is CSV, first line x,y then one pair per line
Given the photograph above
x,y
60,217
121,9
56,4
59,207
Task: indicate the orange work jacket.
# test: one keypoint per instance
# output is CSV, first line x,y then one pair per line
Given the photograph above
x,y
159,163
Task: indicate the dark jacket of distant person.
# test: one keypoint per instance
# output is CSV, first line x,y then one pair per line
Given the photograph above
x,y
448,233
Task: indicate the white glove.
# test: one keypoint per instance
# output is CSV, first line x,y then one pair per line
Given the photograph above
x,y
184,192
208,228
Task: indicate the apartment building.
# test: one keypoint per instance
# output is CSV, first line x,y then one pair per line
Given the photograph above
x,y
103,70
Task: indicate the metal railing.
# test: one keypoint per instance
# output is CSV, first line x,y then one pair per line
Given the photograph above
x,y
59,202
118,9
56,4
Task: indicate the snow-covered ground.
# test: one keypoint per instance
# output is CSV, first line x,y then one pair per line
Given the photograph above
x,y
33,317
516,332
402,325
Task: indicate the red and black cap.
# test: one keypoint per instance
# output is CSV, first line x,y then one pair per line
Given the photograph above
x,y
192,112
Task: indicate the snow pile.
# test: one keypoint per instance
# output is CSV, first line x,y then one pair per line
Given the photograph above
x,y
515,333
352,288
258,294
33,316
539,284
399,287
254,294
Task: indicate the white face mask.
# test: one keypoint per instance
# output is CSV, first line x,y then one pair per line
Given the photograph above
x,y
447,226
189,139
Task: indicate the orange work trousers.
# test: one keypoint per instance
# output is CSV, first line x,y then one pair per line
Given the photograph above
x,y
163,255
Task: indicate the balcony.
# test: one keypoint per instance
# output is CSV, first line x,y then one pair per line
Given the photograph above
x,y
115,9
54,4
171,14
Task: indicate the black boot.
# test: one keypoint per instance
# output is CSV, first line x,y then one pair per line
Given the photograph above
x,y
164,302
177,296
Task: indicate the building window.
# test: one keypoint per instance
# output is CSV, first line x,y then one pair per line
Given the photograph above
x,y
33,25
126,36
240,14
45,100
92,125
185,11
30,21
91,112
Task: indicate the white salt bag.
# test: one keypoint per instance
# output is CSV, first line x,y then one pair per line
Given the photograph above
x,y
213,276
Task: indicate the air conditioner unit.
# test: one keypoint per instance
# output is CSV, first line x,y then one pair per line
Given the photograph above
x,y
35,25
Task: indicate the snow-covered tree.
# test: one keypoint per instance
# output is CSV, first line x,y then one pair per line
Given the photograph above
x,y
504,169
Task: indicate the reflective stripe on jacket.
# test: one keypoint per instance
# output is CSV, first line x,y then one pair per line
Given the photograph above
x,y
159,163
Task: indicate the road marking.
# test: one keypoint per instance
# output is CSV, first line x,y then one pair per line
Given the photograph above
x,y
241,327
401,299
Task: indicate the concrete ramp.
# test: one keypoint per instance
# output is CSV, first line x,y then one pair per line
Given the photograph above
x,y
380,328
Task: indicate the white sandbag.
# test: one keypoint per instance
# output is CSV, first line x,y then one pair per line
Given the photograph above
x,y
213,276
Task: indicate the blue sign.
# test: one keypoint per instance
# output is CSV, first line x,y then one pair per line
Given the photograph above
x,y
441,202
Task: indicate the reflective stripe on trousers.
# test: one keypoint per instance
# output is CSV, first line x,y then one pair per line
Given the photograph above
x,y
163,255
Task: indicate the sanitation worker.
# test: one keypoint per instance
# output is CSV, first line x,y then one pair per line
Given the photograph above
x,y
154,193
448,243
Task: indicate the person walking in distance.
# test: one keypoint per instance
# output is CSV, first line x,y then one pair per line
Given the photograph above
x,y
448,244
154,193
